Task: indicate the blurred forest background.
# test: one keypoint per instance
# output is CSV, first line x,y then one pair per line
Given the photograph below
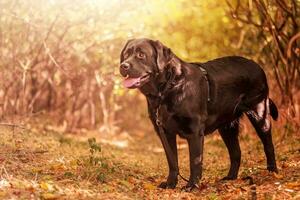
x,y
59,59
61,93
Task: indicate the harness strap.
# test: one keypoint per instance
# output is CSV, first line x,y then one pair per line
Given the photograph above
x,y
206,79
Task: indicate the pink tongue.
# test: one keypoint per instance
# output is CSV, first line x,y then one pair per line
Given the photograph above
x,y
129,82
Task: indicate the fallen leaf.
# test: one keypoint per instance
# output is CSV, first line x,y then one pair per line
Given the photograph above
x,y
284,165
46,186
125,183
2,194
50,196
293,185
47,177
4,183
18,184
149,186
278,176
36,170
289,190
58,167
158,150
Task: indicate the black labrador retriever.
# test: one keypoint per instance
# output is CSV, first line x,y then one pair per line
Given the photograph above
x,y
195,99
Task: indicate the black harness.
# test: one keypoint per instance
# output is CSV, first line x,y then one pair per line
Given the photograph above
x,y
206,79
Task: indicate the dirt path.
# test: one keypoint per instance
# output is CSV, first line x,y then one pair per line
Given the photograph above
x,y
37,164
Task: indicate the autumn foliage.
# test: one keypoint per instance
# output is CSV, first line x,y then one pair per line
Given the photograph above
x,y
60,59
70,130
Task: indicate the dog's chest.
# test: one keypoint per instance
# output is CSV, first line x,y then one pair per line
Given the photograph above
x,y
174,100
183,125
175,122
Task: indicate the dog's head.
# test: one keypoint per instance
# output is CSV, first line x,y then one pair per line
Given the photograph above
x,y
143,60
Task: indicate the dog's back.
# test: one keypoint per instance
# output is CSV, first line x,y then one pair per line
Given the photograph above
x,y
236,84
238,75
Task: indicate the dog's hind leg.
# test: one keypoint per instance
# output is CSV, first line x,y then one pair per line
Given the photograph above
x,y
259,118
229,134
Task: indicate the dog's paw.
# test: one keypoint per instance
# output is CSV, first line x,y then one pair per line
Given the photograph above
x,y
227,178
272,169
167,185
189,187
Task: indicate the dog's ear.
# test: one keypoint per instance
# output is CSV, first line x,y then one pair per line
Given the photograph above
x,y
165,57
123,50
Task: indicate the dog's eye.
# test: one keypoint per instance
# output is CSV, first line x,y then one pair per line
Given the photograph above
x,y
141,55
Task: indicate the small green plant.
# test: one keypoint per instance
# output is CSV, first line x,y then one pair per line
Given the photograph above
x,y
212,196
289,129
96,165
68,174
101,177
94,149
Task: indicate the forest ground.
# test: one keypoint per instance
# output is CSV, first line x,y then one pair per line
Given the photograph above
x,y
42,163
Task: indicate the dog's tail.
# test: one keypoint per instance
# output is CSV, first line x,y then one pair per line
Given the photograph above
x,y
273,109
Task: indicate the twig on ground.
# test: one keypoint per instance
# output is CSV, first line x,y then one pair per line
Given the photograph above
x,y
40,152
12,125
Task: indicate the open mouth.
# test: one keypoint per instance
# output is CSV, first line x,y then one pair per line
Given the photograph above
x,y
131,82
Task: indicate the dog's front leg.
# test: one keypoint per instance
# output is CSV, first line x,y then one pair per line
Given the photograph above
x,y
170,147
195,142
168,141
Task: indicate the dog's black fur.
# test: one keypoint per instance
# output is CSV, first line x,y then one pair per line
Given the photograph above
x,y
193,107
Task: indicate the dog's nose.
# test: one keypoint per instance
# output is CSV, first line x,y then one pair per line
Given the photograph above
x,y
125,66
